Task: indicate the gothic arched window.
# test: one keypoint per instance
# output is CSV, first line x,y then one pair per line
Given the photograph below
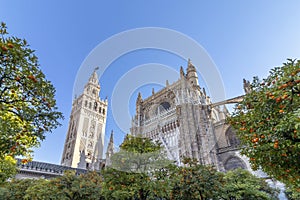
x,y
163,107
95,105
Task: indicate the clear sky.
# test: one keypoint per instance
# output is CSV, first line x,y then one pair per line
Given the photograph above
x,y
243,38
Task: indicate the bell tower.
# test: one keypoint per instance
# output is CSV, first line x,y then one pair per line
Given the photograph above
x,y
85,137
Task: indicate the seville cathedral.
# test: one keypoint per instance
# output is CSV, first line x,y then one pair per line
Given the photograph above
x,y
181,116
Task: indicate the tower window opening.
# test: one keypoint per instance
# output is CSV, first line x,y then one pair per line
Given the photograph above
x,y
103,111
85,103
90,105
95,106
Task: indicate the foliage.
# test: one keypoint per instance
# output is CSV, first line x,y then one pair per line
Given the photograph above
x,y
191,181
7,168
66,187
90,185
292,193
268,123
136,171
27,105
43,189
15,189
241,184
139,155
194,181
139,144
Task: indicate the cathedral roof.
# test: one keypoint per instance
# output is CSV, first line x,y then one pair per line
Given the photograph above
x,y
46,168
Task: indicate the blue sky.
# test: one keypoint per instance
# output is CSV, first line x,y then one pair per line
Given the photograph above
x,y
243,38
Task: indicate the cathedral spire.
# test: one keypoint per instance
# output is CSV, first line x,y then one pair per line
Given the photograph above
x,y
110,148
181,72
192,74
139,99
138,107
190,65
111,139
189,62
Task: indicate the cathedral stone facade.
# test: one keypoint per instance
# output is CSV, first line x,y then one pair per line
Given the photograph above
x,y
183,118
85,138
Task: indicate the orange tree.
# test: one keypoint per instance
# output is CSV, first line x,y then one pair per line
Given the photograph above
x,y
68,186
15,189
138,171
268,123
241,184
194,181
27,105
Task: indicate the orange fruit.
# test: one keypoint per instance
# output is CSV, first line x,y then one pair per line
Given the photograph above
x,y
4,48
285,96
10,45
255,140
284,85
278,99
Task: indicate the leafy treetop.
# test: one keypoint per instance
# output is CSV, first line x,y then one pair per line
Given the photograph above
x,y
268,123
